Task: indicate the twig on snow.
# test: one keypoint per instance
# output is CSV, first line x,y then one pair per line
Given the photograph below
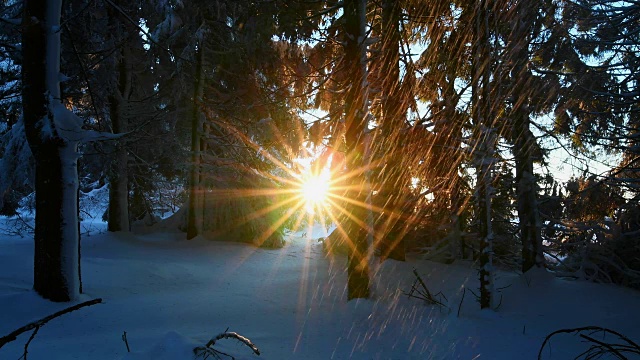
x,y
126,342
598,348
37,324
208,350
461,300
423,293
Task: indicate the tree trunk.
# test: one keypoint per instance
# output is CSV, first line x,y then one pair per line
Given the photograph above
x,y
483,191
528,215
393,185
194,213
119,175
56,256
484,150
355,125
524,141
455,236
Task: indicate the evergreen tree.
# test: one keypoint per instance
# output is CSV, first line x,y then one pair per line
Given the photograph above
x,y
355,123
445,68
485,140
16,178
520,92
390,230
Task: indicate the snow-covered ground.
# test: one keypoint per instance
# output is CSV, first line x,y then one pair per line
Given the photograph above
x,y
171,295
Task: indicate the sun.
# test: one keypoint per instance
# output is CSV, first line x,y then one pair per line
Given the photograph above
x,y
315,190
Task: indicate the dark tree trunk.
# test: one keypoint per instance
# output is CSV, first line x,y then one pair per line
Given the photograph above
x,y
56,256
119,175
455,243
484,140
528,217
49,277
392,229
79,242
204,148
355,124
451,159
486,240
194,211
524,141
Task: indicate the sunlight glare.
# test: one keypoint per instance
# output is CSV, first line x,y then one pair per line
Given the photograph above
x,y
315,190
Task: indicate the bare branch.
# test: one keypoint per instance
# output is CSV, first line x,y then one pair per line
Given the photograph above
x,y
37,324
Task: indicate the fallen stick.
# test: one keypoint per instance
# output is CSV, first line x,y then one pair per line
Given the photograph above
x,y
37,324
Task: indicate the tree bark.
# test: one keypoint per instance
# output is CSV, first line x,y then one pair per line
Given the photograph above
x,y
455,236
119,175
355,125
484,139
391,229
524,141
194,213
56,256
528,214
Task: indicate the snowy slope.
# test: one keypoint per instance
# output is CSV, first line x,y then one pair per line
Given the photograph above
x,y
170,295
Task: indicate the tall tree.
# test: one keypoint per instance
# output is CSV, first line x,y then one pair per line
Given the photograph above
x,y
53,133
355,123
525,147
609,38
194,210
484,142
122,34
16,176
590,53
390,230
118,83
445,67
248,131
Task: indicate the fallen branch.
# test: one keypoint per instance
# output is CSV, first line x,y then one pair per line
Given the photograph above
x,y
37,324
423,293
26,345
598,348
461,300
126,342
208,350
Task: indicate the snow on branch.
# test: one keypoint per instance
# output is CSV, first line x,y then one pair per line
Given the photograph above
x,y
16,159
69,125
208,350
617,347
15,22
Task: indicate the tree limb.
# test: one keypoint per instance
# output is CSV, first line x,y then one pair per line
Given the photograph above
x,y
37,324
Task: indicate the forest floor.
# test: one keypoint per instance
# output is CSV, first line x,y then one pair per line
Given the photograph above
x,y
171,295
